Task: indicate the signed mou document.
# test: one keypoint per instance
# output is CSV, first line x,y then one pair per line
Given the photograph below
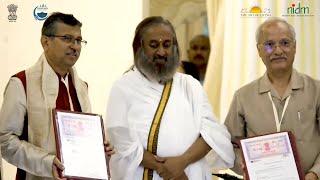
x,y
271,157
79,143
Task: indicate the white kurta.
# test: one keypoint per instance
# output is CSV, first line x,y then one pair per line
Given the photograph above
x,y
132,104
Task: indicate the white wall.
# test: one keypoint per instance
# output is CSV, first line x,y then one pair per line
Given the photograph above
x,y
108,26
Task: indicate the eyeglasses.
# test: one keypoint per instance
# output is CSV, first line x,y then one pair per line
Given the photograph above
x,y
70,39
284,44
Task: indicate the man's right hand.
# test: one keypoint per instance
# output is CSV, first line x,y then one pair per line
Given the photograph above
x,y
57,167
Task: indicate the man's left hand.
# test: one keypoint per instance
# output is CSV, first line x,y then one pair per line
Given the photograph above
x,y
174,167
311,176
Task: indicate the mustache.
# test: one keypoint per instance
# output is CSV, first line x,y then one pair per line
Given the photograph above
x,y
277,58
198,56
159,57
73,52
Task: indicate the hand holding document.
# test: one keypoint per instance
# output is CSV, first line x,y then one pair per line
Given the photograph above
x,y
271,157
79,143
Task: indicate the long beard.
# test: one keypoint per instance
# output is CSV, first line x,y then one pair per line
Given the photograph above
x,y
156,68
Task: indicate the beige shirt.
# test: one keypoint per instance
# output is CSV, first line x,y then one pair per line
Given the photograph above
x,y
251,114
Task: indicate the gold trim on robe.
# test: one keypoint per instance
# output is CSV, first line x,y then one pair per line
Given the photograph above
x,y
155,126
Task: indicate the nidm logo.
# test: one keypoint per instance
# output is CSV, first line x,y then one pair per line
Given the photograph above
x,y
297,9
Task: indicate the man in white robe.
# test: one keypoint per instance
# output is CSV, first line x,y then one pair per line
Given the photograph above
x,y
188,128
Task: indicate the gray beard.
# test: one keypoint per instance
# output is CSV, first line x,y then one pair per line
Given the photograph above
x,y
155,72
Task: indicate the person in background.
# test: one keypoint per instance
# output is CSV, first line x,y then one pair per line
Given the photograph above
x,y
198,56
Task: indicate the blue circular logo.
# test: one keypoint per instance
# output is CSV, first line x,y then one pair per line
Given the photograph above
x,y
40,12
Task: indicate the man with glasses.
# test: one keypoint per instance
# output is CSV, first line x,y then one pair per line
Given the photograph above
x,y
26,131
281,100
160,121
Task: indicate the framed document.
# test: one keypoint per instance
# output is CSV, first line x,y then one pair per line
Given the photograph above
x,y
271,156
79,144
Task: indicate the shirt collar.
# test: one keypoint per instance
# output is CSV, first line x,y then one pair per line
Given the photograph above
x,y
296,82
62,78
